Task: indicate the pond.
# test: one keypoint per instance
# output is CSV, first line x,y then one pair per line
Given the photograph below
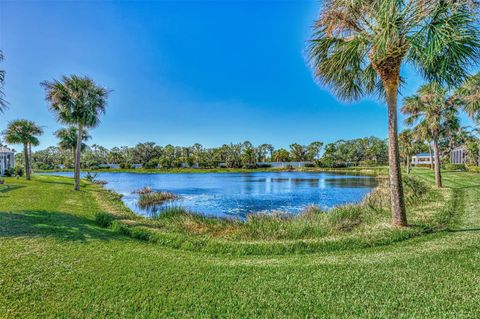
x,y
238,194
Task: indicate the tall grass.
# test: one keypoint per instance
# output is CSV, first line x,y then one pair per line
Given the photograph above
x,y
365,224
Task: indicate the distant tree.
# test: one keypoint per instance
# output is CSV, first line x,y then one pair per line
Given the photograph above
x,y
116,156
68,139
23,132
265,152
77,101
432,109
313,150
298,153
249,155
145,152
281,155
358,48
197,152
408,146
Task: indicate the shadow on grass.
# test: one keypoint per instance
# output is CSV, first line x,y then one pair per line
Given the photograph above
x,y
463,230
55,224
7,188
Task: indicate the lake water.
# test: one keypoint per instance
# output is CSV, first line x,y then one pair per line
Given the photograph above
x,y
238,194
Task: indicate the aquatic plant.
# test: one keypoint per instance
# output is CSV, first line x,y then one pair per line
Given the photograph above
x,y
149,199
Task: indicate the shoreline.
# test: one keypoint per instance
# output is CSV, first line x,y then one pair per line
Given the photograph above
x,y
377,171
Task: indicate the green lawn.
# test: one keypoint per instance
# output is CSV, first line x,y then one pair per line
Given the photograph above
x,y
55,262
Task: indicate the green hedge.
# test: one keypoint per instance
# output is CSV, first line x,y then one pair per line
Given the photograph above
x,y
455,167
473,169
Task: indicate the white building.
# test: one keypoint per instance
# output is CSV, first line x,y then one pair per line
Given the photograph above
x,y
459,155
7,159
421,159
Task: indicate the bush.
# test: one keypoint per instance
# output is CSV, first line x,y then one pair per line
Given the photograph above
x,y
414,188
104,220
309,165
125,165
264,165
19,171
43,166
473,169
150,165
455,167
367,163
9,172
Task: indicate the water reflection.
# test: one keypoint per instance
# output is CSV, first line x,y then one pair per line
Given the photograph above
x,y
235,194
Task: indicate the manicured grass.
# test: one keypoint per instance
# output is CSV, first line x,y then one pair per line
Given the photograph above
x,y
56,262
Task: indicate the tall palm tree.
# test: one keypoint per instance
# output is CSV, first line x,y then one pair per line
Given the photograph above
x,y
359,47
3,103
77,101
433,110
68,139
23,132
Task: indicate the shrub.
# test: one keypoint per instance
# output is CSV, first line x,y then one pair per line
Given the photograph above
x,y
125,165
264,165
9,172
121,228
367,163
455,167
43,166
414,188
91,177
309,165
104,220
473,169
150,165
19,171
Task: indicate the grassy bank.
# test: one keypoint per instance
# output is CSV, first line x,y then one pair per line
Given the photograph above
x,y
346,227
57,262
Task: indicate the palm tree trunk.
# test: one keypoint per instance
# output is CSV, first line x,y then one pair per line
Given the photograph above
x,y
77,157
30,156
408,164
74,152
27,162
430,152
438,174
399,216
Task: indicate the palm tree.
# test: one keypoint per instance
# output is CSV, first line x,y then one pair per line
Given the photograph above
x,y
433,110
68,139
359,47
468,96
77,101
407,146
3,103
23,132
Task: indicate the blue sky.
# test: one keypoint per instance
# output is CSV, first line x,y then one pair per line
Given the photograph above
x,y
181,72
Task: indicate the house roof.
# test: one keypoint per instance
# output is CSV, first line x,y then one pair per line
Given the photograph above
x,y
3,149
422,155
